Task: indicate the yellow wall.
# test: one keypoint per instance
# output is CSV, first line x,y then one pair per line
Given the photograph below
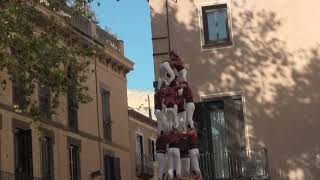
x,y
88,122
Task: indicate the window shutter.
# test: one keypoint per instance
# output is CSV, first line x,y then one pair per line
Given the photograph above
x,y
117,168
202,124
107,124
149,146
232,125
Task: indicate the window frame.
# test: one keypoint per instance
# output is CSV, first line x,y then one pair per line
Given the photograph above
x,y
44,103
236,95
18,93
114,167
21,156
205,42
47,139
74,144
106,118
72,105
136,141
152,152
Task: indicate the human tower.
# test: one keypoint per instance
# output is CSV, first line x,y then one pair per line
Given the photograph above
x,y
176,144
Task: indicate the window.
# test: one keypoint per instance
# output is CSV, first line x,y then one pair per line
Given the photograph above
x,y
74,160
72,105
72,111
152,150
47,158
139,149
139,144
106,115
222,133
112,168
19,93
45,102
216,28
23,154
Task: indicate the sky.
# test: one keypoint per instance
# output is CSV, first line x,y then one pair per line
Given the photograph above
x,y
130,21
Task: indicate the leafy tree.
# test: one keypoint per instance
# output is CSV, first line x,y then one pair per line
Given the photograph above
x,y
41,51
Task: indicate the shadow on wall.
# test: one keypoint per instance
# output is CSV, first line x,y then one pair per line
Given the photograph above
x,y
281,85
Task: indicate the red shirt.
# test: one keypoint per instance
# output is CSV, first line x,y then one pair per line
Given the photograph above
x,y
174,138
161,143
158,98
192,137
180,103
183,145
170,96
187,94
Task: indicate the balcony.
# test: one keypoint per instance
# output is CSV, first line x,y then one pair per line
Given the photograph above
x,y
249,164
90,29
16,176
144,166
255,164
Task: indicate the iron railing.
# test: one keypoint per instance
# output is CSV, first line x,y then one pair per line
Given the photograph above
x,y
144,166
255,164
17,176
90,29
249,164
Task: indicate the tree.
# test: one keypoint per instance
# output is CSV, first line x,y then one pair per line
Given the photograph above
x,y
41,51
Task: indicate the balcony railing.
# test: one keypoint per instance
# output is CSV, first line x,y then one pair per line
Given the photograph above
x,y
144,166
246,165
255,164
91,30
16,176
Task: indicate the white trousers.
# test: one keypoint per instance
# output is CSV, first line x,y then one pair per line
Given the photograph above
x,y
194,158
165,69
190,107
183,75
185,167
172,117
161,159
174,162
158,115
182,120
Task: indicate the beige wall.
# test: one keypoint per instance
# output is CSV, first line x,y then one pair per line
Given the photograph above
x,y
274,60
136,126
111,76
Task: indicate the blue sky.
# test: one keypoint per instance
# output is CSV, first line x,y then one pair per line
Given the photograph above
x,y
130,21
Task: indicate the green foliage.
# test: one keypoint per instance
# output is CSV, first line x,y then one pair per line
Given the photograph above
x,y
41,51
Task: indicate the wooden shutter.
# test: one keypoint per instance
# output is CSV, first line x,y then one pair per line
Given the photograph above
x,y
117,168
106,115
232,125
23,153
202,125
45,102
151,150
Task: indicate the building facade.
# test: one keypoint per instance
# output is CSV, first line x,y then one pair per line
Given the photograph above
x,y
253,67
88,142
143,135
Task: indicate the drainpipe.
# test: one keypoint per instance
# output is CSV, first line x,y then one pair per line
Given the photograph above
x,y
168,27
97,104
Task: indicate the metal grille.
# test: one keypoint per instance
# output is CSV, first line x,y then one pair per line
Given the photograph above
x,y
74,162
23,154
247,164
47,159
144,166
17,176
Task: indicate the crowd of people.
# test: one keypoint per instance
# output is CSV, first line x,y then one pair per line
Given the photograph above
x,y
176,145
